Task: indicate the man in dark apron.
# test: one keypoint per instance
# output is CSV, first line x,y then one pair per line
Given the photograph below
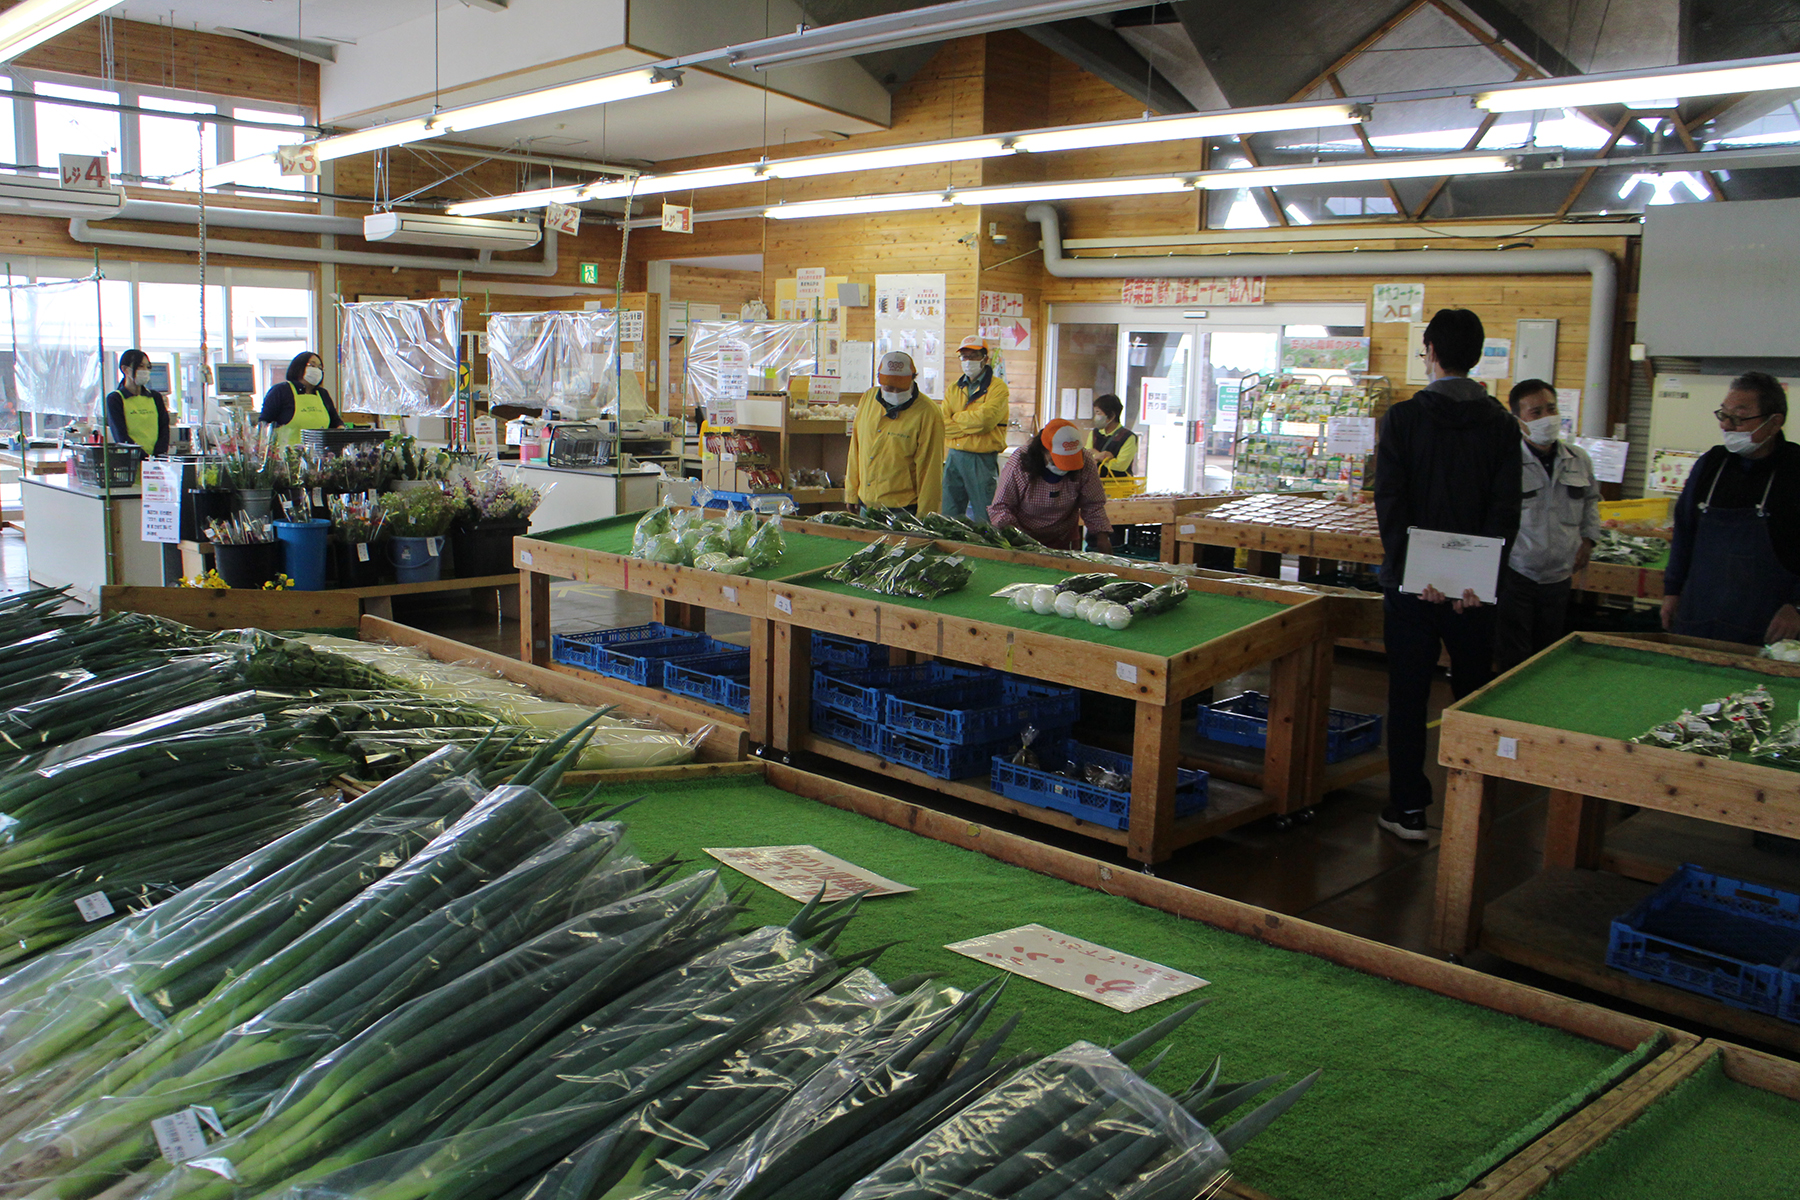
x,y
1734,567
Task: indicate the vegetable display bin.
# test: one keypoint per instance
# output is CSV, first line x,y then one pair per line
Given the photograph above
x,y
486,548
256,502
248,566
303,545
416,559
359,563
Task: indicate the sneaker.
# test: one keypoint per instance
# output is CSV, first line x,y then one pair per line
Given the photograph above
x,y
1407,825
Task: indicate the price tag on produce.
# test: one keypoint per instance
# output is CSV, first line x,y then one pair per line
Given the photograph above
x,y
730,594
785,604
1125,671
525,557
179,1136
798,872
1078,967
362,552
93,906
431,544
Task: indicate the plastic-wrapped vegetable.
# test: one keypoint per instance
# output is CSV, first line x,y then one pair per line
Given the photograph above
x,y
923,574
766,545
663,548
860,563
1124,591
1018,539
1083,584
1043,599
714,540
724,564
658,520
1781,748
739,524
693,535
1160,599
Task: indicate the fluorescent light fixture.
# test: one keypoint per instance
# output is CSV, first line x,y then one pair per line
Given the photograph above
x,y
1074,189
1354,170
570,96
680,181
1627,87
515,201
235,171
911,27
37,21
853,205
886,156
1184,128
376,137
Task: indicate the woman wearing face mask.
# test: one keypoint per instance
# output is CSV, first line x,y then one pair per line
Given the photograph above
x,y
300,402
1050,490
1115,447
135,415
1559,518
1734,564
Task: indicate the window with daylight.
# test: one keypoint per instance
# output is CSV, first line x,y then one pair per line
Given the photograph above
x,y
250,140
68,129
169,147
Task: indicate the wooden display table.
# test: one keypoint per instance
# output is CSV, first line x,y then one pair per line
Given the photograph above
x,y
1563,720
1291,628
333,608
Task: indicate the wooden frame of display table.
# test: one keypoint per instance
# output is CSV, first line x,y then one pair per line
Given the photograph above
x,y
1556,922
1293,774
332,608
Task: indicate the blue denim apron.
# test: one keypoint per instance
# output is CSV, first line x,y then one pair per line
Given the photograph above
x,y
1736,581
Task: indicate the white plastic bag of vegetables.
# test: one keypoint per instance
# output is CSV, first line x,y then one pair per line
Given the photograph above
x,y
658,520
1078,1123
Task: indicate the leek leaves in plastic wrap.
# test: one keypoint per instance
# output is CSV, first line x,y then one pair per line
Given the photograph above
x,y
564,360
401,357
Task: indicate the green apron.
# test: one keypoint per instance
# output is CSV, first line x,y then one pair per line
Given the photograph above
x,y
309,413
140,420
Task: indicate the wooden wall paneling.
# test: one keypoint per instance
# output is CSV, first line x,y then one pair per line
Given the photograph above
x,y
711,285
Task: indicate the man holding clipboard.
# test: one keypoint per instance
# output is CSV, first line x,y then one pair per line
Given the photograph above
x,y
1447,500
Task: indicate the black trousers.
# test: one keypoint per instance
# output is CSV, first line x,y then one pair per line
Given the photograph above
x,y
1414,631
1529,617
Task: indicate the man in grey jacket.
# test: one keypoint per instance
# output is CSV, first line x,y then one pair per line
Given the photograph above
x,y
1559,518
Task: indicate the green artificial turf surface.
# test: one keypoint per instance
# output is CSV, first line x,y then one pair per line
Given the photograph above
x,y
1709,1137
805,551
1417,1089
1198,620
1609,691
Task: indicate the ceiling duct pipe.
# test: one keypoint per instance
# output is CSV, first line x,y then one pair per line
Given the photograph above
x,y
83,230
1598,265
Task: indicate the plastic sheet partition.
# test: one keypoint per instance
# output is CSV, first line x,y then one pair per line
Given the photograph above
x,y
57,367
561,360
400,357
727,360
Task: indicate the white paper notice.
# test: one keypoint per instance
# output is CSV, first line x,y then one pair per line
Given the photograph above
x,y
1452,563
1399,302
809,283
1350,435
179,1137
1084,404
1415,353
734,371
798,872
1080,968
856,367
784,604
631,325
1608,456
162,501
1496,360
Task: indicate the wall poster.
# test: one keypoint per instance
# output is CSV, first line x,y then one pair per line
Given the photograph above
x,y
909,316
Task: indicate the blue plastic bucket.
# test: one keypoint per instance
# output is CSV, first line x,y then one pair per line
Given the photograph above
x,y
416,559
303,546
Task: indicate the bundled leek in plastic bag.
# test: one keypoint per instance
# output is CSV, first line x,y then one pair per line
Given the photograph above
x,y
658,520
864,561
924,574
766,545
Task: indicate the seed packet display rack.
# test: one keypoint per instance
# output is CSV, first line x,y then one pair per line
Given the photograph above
x,y
1556,921
1282,430
1295,640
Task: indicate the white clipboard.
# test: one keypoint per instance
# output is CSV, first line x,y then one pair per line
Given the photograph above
x,y
1452,563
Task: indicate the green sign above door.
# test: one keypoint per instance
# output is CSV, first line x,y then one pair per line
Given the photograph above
x,y
590,272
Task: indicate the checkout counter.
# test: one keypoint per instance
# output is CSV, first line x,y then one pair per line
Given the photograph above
x,y
74,534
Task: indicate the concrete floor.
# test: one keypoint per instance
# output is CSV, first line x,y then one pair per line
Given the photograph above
x,y
1337,869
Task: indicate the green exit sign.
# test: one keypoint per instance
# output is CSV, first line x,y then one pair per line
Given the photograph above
x,y
590,272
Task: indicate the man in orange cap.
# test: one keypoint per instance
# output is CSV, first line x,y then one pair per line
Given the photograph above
x,y
975,421
1050,489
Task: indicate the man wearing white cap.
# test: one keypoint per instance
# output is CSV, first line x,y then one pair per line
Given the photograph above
x,y
896,442
975,420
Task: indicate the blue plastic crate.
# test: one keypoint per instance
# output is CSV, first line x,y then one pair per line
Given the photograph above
x,y
969,712
863,691
831,650
842,727
1046,789
1244,721
722,680
641,662
947,761
583,649
762,502
1736,942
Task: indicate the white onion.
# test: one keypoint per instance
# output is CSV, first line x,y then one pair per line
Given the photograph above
x,y
1043,599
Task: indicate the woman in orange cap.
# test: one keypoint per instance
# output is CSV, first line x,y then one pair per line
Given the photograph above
x,y
1050,490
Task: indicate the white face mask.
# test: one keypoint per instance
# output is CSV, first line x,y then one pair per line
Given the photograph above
x,y
971,368
892,397
1544,430
1742,441
1056,470
141,378
313,376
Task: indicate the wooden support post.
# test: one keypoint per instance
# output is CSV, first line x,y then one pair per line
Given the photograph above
x,y
1187,552
1574,831
761,679
1266,563
534,618
1460,891
1154,752
1299,704
1167,545
790,713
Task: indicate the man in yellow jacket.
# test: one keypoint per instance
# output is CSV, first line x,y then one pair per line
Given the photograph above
x,y
975,421
896,442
